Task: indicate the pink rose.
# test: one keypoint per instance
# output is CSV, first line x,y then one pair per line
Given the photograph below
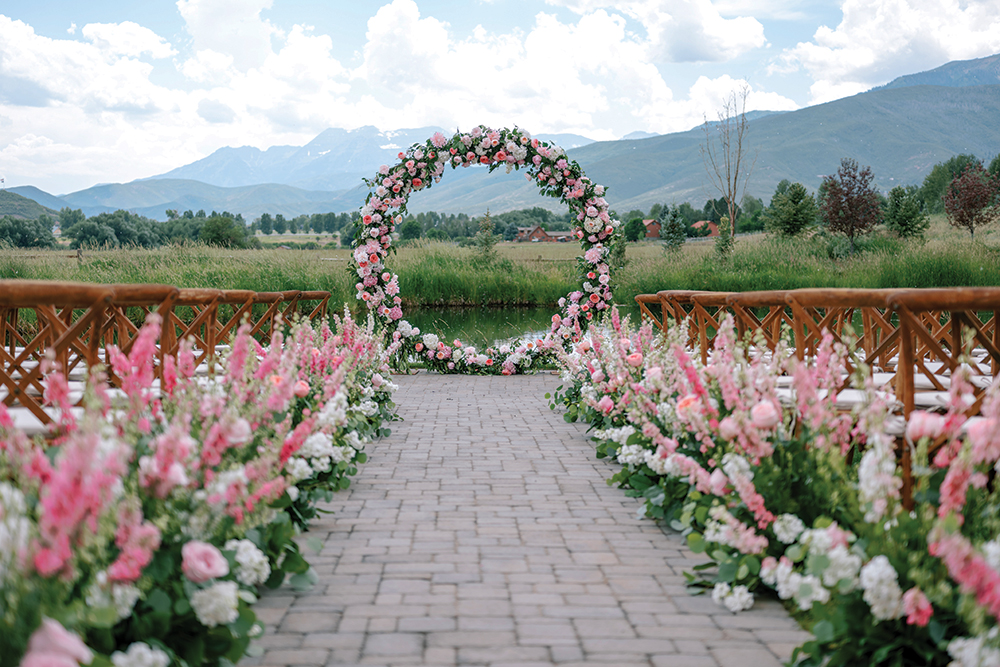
x,y
634,360
686,405
717,482
917,607
728,428
54,646
597,376
923,424
605,405
301,389
377,380
202,562
764,415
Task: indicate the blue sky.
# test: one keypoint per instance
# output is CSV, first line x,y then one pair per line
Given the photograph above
x,y
113,90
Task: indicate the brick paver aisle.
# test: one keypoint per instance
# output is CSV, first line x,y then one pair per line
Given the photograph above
x,y
482,533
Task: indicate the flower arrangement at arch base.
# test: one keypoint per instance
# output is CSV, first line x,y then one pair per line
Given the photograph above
x,y
139,533
751,460
422,165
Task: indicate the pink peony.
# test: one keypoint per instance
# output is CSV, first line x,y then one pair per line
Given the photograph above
x,y
51,645
202,562
686,405
923,425
634,360
917,608
301,389
605,405
764,415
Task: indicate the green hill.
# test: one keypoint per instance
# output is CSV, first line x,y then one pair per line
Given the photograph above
x,y
16,206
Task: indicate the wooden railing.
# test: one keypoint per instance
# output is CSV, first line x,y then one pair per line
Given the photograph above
x,y
72,324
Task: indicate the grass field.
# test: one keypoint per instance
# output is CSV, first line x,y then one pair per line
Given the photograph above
x,y
535,274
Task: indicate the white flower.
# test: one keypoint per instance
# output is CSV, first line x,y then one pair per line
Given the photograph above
x,y
297,469
991,551
632,454
367,407
253,564
404,328
655,462
217,605
787,527
15,529
316,445
735,465
877,480
881,588
334,413
293,493
735,599
345,453
140,654
974,651
430,340
844,565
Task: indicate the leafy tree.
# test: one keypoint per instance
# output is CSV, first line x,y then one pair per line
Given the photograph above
x,y
266,224
435,234
91,234
171,214
130,228
851,205
936,183
180,229
971,199
293,225
657,212
783,186
223,231
904,212
634,230
280,224
509,232
792,210
68,217
410,229
672,229
27,233
724,241
995,166
751,214
635,213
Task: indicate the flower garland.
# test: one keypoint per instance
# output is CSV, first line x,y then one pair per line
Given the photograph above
x,y
422,165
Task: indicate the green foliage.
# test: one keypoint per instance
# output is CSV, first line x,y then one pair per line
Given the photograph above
x,y
672,229
972,199
27,233
280,225
486,241
724,242
792,210
904,214
942,174
266,223
634,230
410,230
994,167
226,232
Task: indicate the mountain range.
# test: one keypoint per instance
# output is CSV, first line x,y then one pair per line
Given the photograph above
x,y
901,130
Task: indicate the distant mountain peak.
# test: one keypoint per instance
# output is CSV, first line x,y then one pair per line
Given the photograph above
x,y
954,74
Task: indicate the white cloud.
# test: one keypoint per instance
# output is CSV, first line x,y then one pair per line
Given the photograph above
x,y
878,40
127,39
233,27
683,30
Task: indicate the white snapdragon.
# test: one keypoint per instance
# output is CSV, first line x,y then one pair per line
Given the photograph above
x,y
877,480
15,528
140,654
655,462
316,445
805,590
618,435
120,597
217,605
735,599
844,566
787,527
253,566
881,588
334,413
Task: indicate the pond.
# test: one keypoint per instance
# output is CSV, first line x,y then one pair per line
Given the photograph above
x,y
479,326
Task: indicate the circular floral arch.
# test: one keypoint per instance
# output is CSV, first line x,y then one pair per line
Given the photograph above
x,y
422,165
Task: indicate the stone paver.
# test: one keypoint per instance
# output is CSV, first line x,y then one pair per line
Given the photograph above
x,y
482,534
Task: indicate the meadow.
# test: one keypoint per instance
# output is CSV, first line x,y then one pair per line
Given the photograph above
x,y
436,274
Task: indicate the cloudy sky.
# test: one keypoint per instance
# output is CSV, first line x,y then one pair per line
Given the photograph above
x,y
113,90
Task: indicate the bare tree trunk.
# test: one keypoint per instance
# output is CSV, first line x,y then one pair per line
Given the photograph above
x,y
727,156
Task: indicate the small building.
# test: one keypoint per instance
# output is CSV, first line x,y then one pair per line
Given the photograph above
x,y
538,235
713,229
652,229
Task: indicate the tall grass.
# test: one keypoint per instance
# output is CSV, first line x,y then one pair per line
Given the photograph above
x,y
439,274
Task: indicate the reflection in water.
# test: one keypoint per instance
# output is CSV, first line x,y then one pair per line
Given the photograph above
x,y
486,326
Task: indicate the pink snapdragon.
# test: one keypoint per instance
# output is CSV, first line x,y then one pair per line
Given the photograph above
x,y
917,607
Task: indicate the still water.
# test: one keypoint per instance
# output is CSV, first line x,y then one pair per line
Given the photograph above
x,y
479,326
